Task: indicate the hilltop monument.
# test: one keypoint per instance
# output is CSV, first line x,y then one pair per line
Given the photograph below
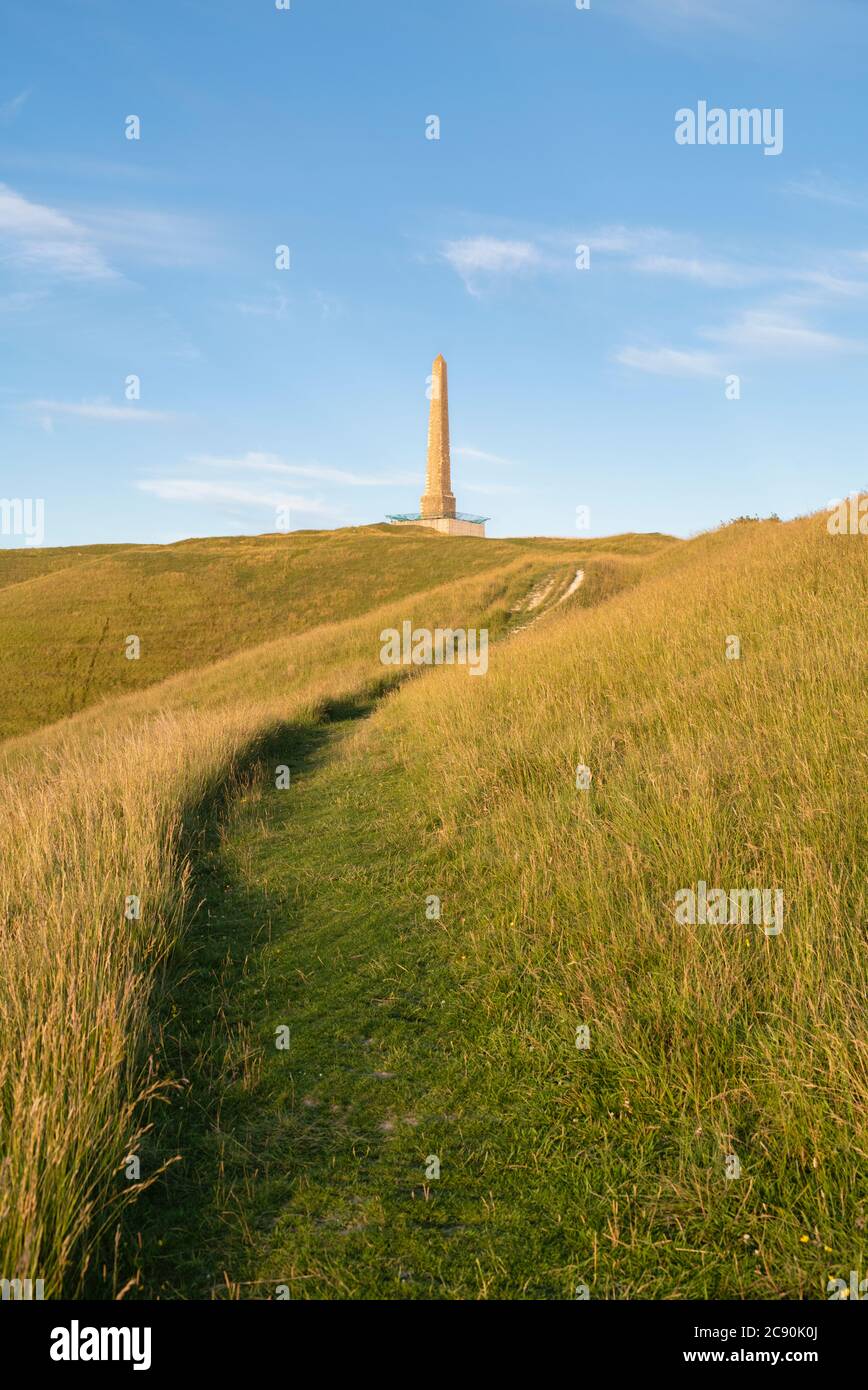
x,y
438,500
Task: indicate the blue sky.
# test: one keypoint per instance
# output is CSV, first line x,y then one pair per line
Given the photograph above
x,y
263,388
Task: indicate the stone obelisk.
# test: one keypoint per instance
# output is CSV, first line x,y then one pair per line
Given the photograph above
x,y
438,498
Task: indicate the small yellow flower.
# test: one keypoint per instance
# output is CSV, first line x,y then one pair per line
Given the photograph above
x,y
804,1239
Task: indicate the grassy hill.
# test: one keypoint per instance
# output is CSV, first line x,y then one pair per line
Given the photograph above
x,y
454,1037
65,614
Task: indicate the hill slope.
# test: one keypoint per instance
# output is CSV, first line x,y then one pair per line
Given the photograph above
x,y
65,614
455,1037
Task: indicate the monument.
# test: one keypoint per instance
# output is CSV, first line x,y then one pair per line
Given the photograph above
x,y
438,500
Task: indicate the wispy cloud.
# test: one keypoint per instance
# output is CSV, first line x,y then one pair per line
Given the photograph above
x,y
487,253
20,300
622,240
203,490
482,259
150,236
273,463
270,307
820,288
822,189
650,249
487,256
774,334
73,166
756,334
480,456
101,410
795,284
664,361
34,236
490,489
9,109
676,16
719,274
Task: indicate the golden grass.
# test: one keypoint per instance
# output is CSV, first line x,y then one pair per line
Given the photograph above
x,y
97,809
740,773
65,614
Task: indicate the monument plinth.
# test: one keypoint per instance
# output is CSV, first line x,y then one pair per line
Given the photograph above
x,y
438,500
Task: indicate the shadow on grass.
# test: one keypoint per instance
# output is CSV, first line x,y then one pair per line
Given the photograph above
x,y
187,1230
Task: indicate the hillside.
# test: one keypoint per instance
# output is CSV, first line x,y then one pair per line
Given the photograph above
x,y
454,1036
65,614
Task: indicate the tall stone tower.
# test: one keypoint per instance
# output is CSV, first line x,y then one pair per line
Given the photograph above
x,y
438,498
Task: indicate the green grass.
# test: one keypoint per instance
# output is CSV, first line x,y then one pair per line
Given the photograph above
x,y
456,1038
307,1167
65,614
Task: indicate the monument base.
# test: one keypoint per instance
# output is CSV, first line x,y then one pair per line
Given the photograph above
x,y
448,525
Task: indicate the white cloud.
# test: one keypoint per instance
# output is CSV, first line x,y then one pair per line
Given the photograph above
x,y
480,456
719,274
9,109
833,284
735,15
199,490
34,236
818,286
821,287
273,308
158,238
20,300
39,237
489,489
99,410
488,253
768,334
625,240
670,362
485,255
773,334
821,189
272,463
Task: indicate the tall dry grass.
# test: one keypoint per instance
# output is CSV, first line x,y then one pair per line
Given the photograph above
x,y
707,1040
93,811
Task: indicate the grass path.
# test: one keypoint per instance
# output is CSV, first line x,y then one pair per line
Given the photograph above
x,y
307,1167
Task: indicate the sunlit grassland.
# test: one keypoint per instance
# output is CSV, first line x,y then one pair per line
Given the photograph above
x,y
108,805
561,1165
65,615
705,1040
457,1037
